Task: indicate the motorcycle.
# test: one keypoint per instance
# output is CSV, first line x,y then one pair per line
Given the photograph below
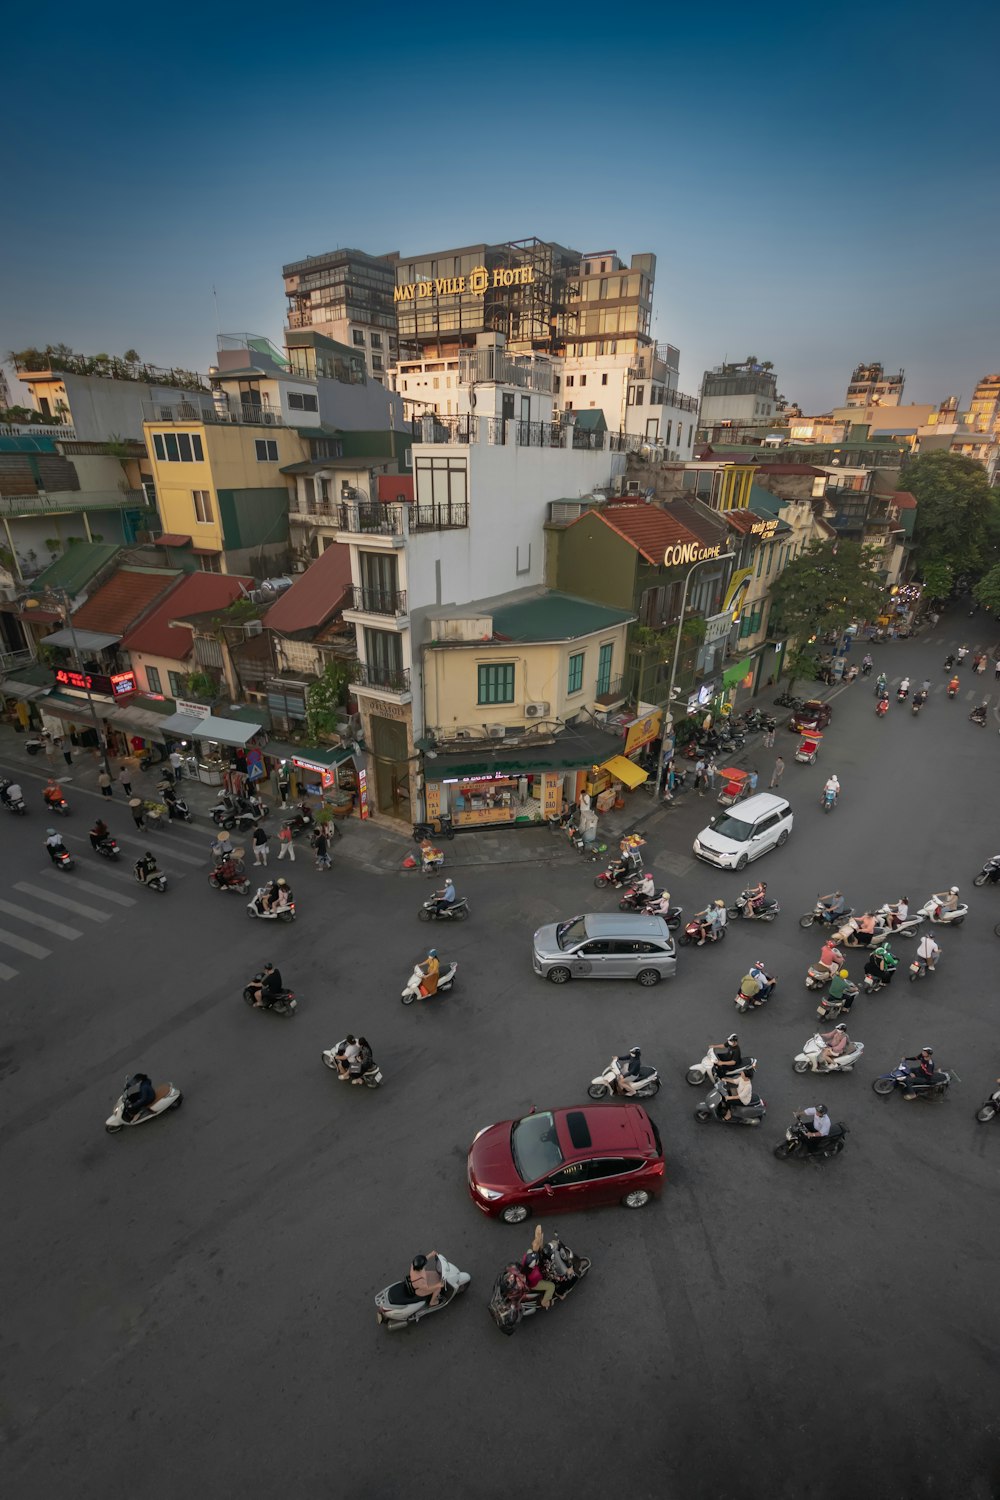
x,y
605,1085
282,1002
699,928
226,877
34,744
810,1058
57,805
618,877
920,966
990,873
978,715
371,1077
899,1078
300,821
652,905
456,912
797,1143
881,708
177,810
592,851
918,703
12,804
153,880
990,1108
708,1068
829,799
446,978
745,1001
902,693
398,1305
866,668
168,1096
443,827
952,691
107,848
241,813
63,860
906,928
829,1008
818,976
933,911
850,934
513,1299
255,908
822,914
743,908
712,1108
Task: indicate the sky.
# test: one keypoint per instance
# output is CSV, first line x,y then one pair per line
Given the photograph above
x,y
821,187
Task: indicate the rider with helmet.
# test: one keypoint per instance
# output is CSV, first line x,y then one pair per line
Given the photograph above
x,y
837,1042
842,990
921,1070
765,980
882,964
55,845
430,969
832,788
947,901
627,1071
728,1057
815,1123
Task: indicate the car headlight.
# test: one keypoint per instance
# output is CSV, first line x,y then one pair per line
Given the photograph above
x,y
697,845
479,1133
485,1192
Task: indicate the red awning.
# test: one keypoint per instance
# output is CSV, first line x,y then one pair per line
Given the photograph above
x,y
172,539
206,551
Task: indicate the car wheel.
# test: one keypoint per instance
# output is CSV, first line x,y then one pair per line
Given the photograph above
x,y
742,862
558,975
807,921
599,1091
800,1067
423,914
637,1198
884,1086
782,838
516,1213
986,1114
648,977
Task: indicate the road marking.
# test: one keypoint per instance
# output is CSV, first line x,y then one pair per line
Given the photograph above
x,y
64,901
151,840
34,920
6,973
23,945
98,890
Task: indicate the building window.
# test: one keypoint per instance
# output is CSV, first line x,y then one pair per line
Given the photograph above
x,y
210,564
667,438
575,681
377,363
267,450
202,507
570,380
299,401
605,655
358,335
583,380
178,447
176,681
569,406
640,394
153,680
158,447
604,379
376,339
496,684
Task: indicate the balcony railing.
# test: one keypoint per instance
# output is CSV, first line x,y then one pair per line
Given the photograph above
x,y
73,500
229,414
371,520
388,679
438,517
485,366
379,601
611,691
37,429
10,661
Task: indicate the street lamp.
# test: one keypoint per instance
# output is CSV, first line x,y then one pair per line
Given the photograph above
x,y
677,650
63,599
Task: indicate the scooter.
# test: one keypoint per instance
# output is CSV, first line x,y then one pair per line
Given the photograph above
x,y
63,859
239,883
829,1008
824,916
177,810
990,873
990,1107
818,976
829,799
168,1096
255,908
899,1078
797,1143
57,805
918,703
902,693
651,906
398,1305
952,691
745,1001
456,912
34,744
906,928
743,908
932,910
712,1108
283,1002
881,708
919,967
12,804
810,1058
443,826
107,848
978,715
605,1085
850,934
241,814
446,978
699,927
371,1077
617,877
513,1299
155,880
708,1069
301,820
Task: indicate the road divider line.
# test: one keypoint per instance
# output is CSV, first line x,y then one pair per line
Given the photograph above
x,y
35,920
23,945
63,901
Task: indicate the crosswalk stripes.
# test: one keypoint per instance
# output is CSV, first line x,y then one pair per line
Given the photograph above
x,y
64,901
152,841
79,884
37,918
23,945
34,919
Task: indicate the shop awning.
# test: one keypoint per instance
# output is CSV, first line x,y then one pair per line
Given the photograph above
x,y
223,731
323,757
10,687
134,720
74,710
625,770
574,749
732,675
87,640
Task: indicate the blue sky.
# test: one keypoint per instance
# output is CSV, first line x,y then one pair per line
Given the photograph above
x,y
819,188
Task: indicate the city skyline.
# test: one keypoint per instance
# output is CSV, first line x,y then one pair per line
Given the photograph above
x,y
811,210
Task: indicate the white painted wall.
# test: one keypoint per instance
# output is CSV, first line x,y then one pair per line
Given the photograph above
x,y
748,408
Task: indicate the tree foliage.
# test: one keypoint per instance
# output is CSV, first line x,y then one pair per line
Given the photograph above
x,y
937,577
826,587
326,695
987,590
956,510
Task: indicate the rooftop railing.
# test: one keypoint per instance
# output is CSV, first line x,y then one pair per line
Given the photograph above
x,y
244,414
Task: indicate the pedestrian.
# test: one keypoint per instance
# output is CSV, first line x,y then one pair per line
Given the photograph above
x,y
996,671
135,807
752,782
699,775
321,844
261,846
284,786
104,782
125,780
769,737
710,771
285,844
176,764
982,665
778,772
706,724
976,658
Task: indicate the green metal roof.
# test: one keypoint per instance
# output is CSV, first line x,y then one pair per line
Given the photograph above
x,y
590,421
27,443
78,565
554,617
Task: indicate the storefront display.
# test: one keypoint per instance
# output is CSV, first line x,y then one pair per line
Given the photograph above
x,y
495,799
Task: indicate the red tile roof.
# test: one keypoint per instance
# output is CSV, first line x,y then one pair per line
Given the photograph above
x,y
392,486
316,595
904,500
193,593
171,539
649,529
124,599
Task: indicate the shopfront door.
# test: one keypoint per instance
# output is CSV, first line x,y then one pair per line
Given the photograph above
x,y
392,768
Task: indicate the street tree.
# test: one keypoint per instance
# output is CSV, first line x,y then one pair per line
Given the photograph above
x,y
937,577
829,585
957,511
987,590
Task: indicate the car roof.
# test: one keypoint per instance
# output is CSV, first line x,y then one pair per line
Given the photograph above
x,y
755,807
592,1130
624,923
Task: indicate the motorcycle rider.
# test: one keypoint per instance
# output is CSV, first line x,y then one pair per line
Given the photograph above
x,y
268,987
345,1053
881,686
52,793
830,957
818,1126
737,1089
430,969
903,689
445,898
99,834
832,786
963,652
832,907
843,990
921,1069
929,951
867,663
728,1057
277,894
899,911
979,714
425,1277
139,1095
946,900
836,1043
763,978
757,896
925,687
145,868
54,845
10,793
644,889
949,662
627,1072
953,687
882,964
864,929
627,863
713,919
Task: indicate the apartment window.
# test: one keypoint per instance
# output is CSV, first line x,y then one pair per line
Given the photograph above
x,y
299,401
640,394
604,380
202,507
667,438
170,438
575,681
604,667
583,380
496,684
177,688
570,380
631,395
153,680
210,564
377,363
569,406
267,450
376,339
178,447
358,335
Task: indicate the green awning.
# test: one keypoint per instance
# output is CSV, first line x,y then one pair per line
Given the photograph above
x,y
732,675
319,757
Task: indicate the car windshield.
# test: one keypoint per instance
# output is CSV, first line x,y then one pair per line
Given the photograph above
x,y
573,931
731,828
534,1146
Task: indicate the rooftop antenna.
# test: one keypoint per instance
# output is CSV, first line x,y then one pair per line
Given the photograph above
x,y
218,320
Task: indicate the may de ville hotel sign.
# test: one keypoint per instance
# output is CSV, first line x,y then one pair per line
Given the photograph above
x,y
478,281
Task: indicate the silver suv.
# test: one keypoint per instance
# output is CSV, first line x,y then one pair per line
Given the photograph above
x,y
605,945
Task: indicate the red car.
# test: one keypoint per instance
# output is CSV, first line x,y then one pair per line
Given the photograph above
x,y
813,715
566,1158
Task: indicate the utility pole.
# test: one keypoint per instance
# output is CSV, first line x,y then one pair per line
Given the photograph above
x,y
677,653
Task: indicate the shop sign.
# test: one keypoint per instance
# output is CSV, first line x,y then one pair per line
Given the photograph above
x,y
193,710
717,628
765,530
477,282
363,808
552,788
468,780
117,685
688,552
310,765
255,764
642,731
701,697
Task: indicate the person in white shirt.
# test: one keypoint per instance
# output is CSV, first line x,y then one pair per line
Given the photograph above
x,y
928,950
816,1123
833,785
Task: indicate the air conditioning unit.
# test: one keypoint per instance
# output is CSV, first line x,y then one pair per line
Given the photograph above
x,y
536,710
632,487
495,731
253,627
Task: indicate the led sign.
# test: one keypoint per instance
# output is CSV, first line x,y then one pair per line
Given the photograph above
x,y
477,282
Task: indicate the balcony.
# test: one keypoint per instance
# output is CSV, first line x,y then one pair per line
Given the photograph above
x,y
379,601
225,414
38,429
44,503
370,520
438,517
497,367
393,681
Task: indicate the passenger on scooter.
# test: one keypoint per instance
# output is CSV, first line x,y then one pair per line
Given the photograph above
x,y
882,964
361,1061
445,898
54,845
278,894
921,1070
345,1053
837,1042
818,1125
139,1095
737,1089
99,834
763,978
425,1277
946,900
430,969
266,988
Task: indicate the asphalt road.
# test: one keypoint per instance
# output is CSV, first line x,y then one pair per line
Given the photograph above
x,y
189,1305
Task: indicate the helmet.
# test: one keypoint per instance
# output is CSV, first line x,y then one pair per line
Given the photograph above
x,y
432,953
758,963
840,1026
50,832
418,1262
928,1050
732,1039
281,880
635,1052
954,890
821,1109
844,974
722,903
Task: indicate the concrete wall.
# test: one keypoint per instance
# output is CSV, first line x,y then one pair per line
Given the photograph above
x,y
589,560
748,408
101,408
367,407
164,665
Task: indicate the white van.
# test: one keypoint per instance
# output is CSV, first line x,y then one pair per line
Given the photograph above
x,y
745,832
